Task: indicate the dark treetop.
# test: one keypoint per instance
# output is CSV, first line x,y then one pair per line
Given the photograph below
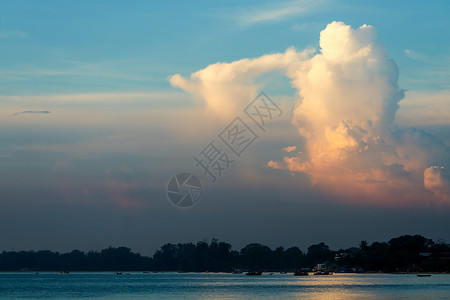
x,y
402,254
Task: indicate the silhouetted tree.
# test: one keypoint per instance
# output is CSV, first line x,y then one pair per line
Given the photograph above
x,y
404,253
319,253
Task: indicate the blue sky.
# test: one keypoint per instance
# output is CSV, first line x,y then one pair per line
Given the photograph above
x,y
117,128
67,47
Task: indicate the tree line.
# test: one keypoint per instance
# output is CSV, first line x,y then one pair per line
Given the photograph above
x,y
402,254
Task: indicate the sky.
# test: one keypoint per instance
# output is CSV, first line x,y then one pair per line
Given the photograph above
x,y
103,102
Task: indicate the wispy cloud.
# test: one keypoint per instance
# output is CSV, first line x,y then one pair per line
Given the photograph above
x,y
110,98
7,34
416,56
43,112
70,106
425,108
304,27
278,11
131,70
433,74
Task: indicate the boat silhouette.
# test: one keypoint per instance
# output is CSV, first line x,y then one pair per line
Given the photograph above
x,y
253,273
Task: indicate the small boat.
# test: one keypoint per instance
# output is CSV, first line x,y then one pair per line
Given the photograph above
x,y
236,271
253,273
118,273
301,273
423,275
64,272
282,272
323,273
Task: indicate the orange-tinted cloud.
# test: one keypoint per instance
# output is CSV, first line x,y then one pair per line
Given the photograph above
x,y
348,100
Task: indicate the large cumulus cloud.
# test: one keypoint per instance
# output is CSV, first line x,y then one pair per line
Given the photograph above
x,y
348,97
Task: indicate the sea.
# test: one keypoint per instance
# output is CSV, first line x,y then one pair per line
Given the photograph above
x,y
140,285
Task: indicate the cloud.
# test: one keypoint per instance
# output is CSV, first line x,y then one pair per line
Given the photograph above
x,y
424,108
306,27
62,166
437,180
7,34
226,87
122,187
43,112
118,97
416,56
128,69
433,73
348,100
290,148
279,11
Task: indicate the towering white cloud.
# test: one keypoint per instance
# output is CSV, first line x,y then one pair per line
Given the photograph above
x,y
348,99
225,87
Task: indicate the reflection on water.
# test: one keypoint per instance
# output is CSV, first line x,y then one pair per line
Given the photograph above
x,y
221,286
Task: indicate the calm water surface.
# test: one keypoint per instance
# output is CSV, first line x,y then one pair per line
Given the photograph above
x,y
221,286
